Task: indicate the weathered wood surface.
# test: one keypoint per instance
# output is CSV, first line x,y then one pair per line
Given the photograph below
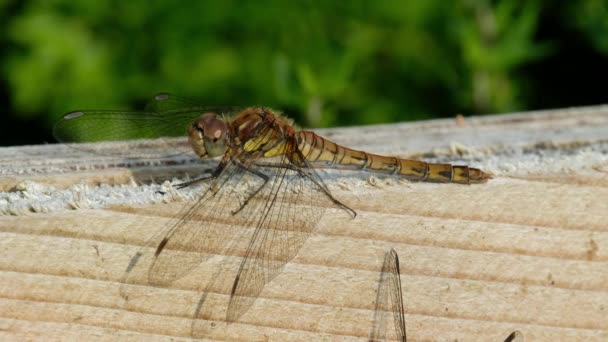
x,y
527,251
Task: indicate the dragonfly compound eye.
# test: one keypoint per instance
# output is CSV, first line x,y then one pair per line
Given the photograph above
x,y
214,134
208,135
213,128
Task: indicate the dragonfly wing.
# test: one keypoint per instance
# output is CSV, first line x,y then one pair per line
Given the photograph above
x,y
198,232
294,203
392,268
102,125
166,116
94,126
389,300
381,308
170,103
515,336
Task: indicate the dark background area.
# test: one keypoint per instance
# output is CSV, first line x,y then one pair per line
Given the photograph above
x,y
322,63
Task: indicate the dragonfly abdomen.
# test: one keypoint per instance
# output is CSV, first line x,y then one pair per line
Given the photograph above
x,y
322,153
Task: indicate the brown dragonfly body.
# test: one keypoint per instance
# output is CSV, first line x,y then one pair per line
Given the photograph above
x,y
260,133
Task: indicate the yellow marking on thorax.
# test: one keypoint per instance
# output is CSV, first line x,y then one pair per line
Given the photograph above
x,y
277,150
251,145
258,141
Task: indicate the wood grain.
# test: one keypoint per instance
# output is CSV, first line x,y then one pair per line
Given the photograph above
x,y
527,251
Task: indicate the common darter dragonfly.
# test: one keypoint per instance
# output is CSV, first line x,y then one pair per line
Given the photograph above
x,y
264,189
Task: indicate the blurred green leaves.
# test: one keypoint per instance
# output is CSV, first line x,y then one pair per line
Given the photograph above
x,y
325,63
59,62
499,40
592,17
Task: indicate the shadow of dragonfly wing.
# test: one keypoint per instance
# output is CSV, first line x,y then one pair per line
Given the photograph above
x,y
389,302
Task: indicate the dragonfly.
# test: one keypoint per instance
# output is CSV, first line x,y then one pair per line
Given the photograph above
x,y
389,302
264,190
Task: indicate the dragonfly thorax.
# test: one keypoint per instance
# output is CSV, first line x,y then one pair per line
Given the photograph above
x,y
208,136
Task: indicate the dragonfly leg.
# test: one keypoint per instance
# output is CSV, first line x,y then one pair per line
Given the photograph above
x,y
218,170
257,173
186,184
348,209
194,181
321,186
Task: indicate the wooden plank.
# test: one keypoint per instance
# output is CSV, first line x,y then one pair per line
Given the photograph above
x,y
526,251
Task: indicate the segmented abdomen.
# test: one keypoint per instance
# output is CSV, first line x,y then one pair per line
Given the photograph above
x,y
322,153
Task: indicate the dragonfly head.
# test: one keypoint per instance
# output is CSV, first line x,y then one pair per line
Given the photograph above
x,y
208,135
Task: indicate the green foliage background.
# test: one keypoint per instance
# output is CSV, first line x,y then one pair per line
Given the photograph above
x,y
325,63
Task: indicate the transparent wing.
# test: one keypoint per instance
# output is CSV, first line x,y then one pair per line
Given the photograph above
x,y
270,208
166,115
167,103
201,230
244,204
295,199
389,301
